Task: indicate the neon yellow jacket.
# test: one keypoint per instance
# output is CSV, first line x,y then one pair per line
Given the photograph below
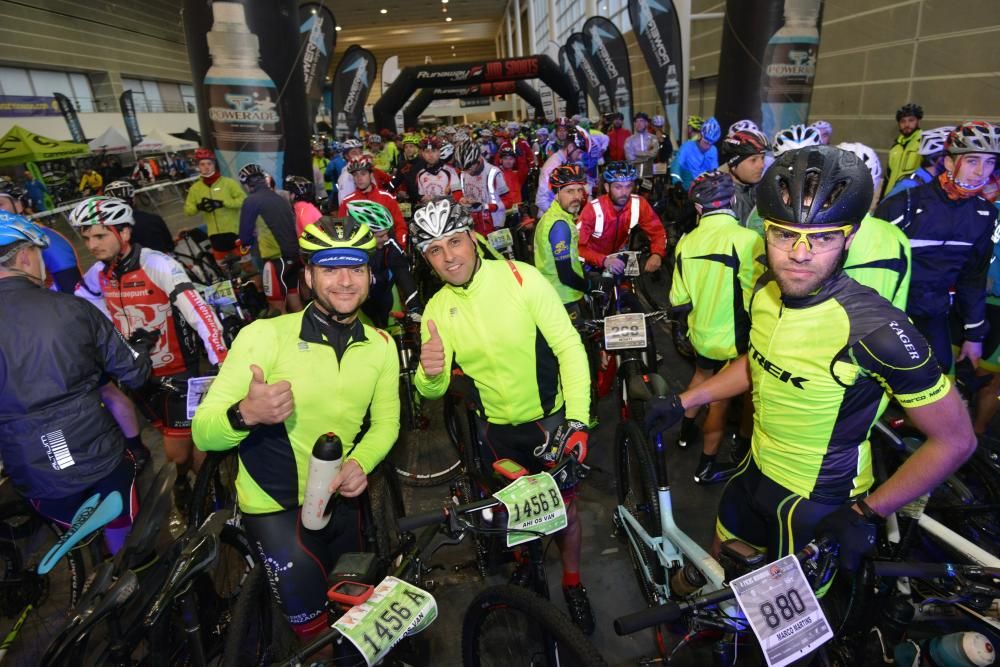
x,y
225,220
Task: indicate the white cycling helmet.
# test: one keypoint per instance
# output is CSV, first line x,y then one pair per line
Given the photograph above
x,y
796,136
868,156
824,127
742,126
447,150
437,219
351,143
658,121
932,142
106,211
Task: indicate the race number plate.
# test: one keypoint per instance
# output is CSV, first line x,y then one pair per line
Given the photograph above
x,y
624,332
533,503
406,210
396,609
501,239
196,390
782,610
224,293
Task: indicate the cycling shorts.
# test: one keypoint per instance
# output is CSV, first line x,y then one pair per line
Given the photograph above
x,y
281,278
167,410
991,346
706,364
298,560
518,442
766,515
120,479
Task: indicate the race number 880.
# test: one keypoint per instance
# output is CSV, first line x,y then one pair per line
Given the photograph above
x,y
787,604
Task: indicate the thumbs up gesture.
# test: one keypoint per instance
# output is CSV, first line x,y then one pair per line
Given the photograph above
x,y
432,352
266,403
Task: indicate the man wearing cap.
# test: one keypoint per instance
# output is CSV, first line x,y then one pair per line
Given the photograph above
x,y
641,148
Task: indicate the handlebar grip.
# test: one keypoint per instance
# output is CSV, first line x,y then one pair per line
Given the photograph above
x,y
646,618
408,524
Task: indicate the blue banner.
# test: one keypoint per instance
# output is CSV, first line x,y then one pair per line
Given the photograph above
x,y
25,105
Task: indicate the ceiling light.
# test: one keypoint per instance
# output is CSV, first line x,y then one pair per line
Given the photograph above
x,y
444,2
383,11
452,47
444,9
337,28
448,19
314,12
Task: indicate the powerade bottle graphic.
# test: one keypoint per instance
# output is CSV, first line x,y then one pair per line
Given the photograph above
x,y
242,98
789,67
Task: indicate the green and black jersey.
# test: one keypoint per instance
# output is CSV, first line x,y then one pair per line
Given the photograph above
x,y
879,257
714,274
822,367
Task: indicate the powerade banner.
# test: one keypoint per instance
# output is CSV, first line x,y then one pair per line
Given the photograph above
x,y
586,72
249,83
128,114
69,115
579,88
390,70
658,31
317,32
26,105
465,74
606,48
351,85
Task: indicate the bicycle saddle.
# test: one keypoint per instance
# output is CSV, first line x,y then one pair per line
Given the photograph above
x,y
645,387
153,511
199,552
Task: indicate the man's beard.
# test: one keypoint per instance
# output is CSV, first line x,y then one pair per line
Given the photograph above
x,y
329,308
800,289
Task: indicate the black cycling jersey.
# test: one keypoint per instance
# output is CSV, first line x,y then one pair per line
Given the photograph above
x,y
277,214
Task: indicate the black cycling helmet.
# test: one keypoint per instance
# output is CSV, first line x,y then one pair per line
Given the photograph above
x,y
815,185
467,155
301,189
250,172
712,190
910,109
567,174
742,144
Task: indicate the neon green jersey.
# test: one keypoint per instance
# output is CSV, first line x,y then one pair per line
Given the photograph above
x,y
822,367
546,253
331,395
879,257
225,220
511,336
716,267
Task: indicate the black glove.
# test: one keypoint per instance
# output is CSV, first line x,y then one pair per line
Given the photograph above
x,y
208,205
854,533
571,435
143,340
216,203
662,413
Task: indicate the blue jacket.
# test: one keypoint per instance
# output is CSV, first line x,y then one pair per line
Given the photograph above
x,y
690,162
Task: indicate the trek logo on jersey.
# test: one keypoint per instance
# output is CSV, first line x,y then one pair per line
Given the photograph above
x,y
777,371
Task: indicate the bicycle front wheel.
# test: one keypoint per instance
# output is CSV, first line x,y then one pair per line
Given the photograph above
x,y
421,457
513,627
635,475
215,486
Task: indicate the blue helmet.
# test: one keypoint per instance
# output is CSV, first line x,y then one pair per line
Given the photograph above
x,y
710,130
14,228
619,172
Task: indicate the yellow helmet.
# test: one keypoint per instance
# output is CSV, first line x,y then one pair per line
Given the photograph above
x,y
337,242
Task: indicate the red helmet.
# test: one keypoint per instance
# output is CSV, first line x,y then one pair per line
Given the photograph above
x,y
506,150
567,174
430,142
361,162
204,154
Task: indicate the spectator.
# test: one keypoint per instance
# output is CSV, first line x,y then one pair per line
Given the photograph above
x,y
904,156
616,139
90,182
641,148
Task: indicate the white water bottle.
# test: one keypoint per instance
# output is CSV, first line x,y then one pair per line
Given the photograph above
x,y
789,67
324,464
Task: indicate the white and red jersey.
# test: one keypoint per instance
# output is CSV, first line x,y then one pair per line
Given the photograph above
x,y
438,183
486,188
604,230
143,291
399,229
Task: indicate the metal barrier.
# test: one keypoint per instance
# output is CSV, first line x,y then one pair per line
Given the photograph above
x,y
150,191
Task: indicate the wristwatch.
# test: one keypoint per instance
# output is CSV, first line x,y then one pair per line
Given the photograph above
x,y
868,512
236,418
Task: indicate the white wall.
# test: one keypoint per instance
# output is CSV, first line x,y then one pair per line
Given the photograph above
x,y
94,124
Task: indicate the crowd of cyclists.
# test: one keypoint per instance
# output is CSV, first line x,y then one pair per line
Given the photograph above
x,y
806,280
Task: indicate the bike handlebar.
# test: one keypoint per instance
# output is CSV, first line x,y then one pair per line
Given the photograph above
x,y
884,568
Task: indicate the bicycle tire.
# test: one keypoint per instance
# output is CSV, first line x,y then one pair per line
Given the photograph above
x,y
386,507
249,637
635,477
492,607
215,486
25,537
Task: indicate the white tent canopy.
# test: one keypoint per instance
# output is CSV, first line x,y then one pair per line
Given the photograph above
x,y
168,142
149,144
110,141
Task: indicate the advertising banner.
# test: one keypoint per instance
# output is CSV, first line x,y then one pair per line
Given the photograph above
x,y
606,48
390,70
351,85
658,32
586,72
127,105
26,105
579,87
69,115
318,35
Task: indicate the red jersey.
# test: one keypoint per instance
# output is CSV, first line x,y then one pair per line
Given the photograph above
x,y
515,181
616,144
400,231
147,290
604,231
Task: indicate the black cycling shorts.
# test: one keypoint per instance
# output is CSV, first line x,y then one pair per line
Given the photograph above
x,y
167,410
764,514
298,560
120,479
706,364
281,278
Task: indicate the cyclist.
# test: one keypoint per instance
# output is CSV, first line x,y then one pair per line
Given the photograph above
x,y
320,165
385,155
743,153
823,345
606,222
365,189
796,136
150,230
879,256
389,265
59,445
693,128
950,228
825,131
352,148
642,147
289,380
716,267
556,239
405,182
482,185
539,148
572,151
697,156
435,179
219,199
147,292
62,266
616,138
273,242
513,178
562,129
302,192
331,175
931,150
521,392
904,156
